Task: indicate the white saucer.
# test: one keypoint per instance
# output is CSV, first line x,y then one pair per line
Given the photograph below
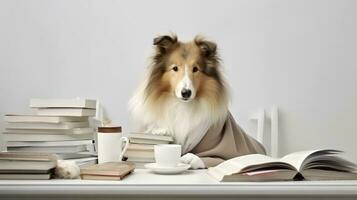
x,y
154,167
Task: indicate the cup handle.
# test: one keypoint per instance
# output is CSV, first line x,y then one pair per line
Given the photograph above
x,y
126,140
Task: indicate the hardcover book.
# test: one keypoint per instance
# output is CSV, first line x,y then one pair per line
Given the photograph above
x,y
79,112
63,103
107,171
40,125
24,137
26,162
43,119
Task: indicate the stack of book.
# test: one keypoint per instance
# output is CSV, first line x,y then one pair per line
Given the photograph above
x,y
141,147
27,165
59,126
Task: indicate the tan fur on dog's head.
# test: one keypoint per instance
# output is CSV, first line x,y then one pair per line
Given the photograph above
x,y
183,82
181,66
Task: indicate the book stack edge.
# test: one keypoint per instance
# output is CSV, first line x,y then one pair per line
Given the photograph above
x,y
26,165
59,126
141,147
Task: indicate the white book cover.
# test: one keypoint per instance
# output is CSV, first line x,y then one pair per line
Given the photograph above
x,y
20,165
147,141
141,147
140,160
38,125
23,176
17,162
66,156
50,149
43,137
82,162
65,111
50,131
63,103
48,143
150,136
44,119
27,156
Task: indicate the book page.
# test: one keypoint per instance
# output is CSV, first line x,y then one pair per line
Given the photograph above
x,y
238,164
297,159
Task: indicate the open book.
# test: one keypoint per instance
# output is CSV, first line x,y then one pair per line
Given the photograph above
x,y
303,165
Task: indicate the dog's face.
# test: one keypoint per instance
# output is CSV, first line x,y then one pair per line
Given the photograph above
x,y
186,70
183,71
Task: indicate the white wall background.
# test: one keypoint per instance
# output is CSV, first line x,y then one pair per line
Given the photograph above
x,y
300,55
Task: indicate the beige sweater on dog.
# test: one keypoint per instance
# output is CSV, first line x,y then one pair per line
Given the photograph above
x,y
225,141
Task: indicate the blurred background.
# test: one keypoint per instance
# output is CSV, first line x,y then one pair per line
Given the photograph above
x,y
299,55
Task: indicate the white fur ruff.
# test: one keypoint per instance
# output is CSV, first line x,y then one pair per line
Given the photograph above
x,y
187,122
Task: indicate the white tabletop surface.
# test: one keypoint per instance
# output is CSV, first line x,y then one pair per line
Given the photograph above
x,y
193,182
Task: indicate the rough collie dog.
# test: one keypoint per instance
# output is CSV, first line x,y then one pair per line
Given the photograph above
x,y
184,94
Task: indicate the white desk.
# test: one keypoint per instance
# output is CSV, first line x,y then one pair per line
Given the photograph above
x,y
195,184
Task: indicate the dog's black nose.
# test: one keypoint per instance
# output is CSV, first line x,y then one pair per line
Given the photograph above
x,y
186,93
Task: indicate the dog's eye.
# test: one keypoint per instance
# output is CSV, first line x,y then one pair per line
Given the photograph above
x,y
195,69
175,68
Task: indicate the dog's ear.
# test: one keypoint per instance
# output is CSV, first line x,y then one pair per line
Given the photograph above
x,y
165,42
207,48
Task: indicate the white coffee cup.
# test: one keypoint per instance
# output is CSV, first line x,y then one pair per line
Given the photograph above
x,y
111,144
167,155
